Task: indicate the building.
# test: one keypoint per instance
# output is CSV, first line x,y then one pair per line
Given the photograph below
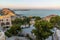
x,y
2,36
32,21
5,21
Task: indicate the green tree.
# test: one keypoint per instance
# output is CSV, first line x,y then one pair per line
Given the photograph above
x,y
42,30
17,21
36,17
14,30
26,20
55,21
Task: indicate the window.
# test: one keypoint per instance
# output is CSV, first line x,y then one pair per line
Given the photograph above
x,y
6,19
7,23
2,24
2,20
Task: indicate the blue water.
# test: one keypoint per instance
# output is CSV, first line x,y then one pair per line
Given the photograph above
x,y
41,13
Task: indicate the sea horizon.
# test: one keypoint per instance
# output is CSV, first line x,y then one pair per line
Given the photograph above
x,y
38,12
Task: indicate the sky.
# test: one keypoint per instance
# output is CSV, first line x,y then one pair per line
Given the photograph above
x,y
30,4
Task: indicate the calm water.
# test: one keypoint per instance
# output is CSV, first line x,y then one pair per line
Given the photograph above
x,y
41,13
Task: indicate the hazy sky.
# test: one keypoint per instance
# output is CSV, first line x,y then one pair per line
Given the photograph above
x,y
53,4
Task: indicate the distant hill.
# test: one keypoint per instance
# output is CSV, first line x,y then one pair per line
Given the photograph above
x,y
6,11
21,9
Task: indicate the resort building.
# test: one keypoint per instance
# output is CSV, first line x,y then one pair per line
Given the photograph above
x,y
5,21
2,36
32,21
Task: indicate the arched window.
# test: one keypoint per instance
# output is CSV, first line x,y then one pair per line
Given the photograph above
x,y
2,24
7,23
6,19
2,19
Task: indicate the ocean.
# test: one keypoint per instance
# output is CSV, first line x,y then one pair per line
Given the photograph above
x,y
41,13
